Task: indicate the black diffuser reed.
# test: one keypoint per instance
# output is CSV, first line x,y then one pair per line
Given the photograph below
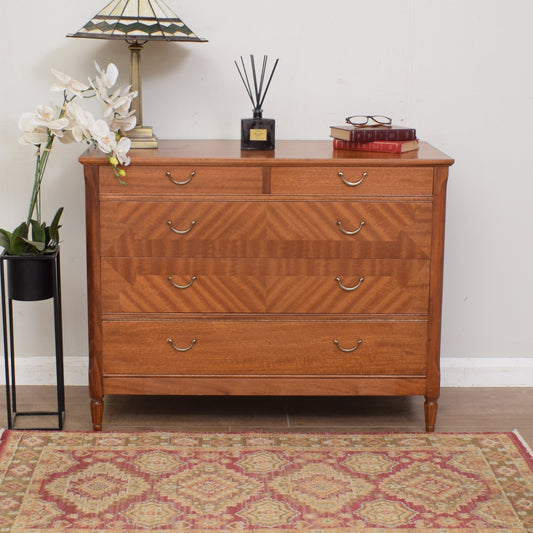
x,y
257,133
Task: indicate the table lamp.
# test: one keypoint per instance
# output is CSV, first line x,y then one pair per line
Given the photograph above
x,y
137,22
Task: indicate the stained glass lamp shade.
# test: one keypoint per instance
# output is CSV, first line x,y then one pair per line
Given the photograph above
x,y
136,22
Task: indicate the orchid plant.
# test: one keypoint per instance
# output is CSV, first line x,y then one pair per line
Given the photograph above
x,y
71,123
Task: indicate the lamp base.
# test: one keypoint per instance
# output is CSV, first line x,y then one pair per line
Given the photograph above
x,y
142,137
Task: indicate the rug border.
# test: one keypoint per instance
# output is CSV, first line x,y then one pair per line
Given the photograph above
x,y
4,433
525,450
514,436
523,447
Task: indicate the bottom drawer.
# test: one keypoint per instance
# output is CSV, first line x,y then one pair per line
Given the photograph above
x,y
264,347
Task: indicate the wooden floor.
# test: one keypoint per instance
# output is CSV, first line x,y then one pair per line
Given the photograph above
x,y
460,409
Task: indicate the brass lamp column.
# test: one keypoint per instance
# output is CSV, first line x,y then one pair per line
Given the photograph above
x,y
137,22
141,136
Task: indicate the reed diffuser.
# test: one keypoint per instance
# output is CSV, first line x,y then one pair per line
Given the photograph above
x,y
257,133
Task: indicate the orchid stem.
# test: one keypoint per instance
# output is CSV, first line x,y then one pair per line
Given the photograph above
x,y
40,166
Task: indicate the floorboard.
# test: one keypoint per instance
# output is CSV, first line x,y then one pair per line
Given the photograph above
x,y
460,409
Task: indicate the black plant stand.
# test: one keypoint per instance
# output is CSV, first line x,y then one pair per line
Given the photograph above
x,y
23,284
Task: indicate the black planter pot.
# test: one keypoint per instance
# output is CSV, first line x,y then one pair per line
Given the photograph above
x,y
30,278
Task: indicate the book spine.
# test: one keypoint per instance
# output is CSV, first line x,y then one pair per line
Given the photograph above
x,y
369,135
393,147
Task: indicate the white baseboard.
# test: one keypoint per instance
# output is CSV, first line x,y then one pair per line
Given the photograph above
x,y
456,371
42,370
487,371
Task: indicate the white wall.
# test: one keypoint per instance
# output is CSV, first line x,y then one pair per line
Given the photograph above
x,y
460,72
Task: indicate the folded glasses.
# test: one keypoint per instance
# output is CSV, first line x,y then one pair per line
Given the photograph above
x,y
369,120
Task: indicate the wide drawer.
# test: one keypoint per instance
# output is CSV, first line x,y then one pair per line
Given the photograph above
x,y
264,347
178,285
179,180
392,229
358,180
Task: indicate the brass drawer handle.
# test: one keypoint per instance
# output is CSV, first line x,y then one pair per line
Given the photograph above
x,y
348,350
168,174
348,232
180,231
345,288
181,286
353,183
177,348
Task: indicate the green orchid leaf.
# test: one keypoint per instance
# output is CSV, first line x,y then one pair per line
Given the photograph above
x,y
54,227
18,245
20,231
5,240
38,246
38,233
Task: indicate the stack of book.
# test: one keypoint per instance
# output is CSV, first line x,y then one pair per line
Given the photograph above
x,y
392,139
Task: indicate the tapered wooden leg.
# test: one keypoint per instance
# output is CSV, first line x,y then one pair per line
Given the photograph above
x,y
97,414
430,412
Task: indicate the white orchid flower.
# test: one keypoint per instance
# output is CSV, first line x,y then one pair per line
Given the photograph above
x,y
123,122
107,78
33,134
118,102
46,116
81,121
104,137
67,83
124,103
122,149
67,138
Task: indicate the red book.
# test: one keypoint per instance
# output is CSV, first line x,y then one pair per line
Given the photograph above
x,y
347,132
393,147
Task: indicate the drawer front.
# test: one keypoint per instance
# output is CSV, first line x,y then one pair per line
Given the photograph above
x,y
263,347
266,229
347,181
183,180
177,285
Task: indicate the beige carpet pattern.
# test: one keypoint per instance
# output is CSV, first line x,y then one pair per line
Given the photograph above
x,y
270,482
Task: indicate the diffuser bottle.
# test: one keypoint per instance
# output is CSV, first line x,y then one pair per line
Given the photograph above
x,y
257,133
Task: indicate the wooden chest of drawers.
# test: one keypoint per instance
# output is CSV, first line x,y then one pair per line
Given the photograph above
x,y
304,271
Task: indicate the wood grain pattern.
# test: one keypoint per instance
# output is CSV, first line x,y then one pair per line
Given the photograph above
x,y
266,229
154,180
371,181
94,302
227,285
266,385
230,347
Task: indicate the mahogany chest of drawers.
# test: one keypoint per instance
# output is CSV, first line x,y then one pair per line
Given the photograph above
x,y
295,272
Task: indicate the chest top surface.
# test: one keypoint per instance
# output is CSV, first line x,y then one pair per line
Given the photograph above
x,y
288,152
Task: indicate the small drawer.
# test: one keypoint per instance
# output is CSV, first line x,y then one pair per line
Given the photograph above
x,y
264,347
182,180
279,286
353,181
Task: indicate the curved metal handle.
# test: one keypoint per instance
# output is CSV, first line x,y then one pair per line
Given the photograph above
x,y
177,348
354,232
168,174
344,288
348,350
181,286
352,183
180,231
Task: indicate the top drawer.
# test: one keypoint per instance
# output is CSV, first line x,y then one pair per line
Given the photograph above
x,y
357,180
147,180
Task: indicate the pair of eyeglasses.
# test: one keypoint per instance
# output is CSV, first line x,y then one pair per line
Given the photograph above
x,y
369,120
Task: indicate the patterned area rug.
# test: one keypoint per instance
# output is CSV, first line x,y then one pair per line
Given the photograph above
x,y
270,482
